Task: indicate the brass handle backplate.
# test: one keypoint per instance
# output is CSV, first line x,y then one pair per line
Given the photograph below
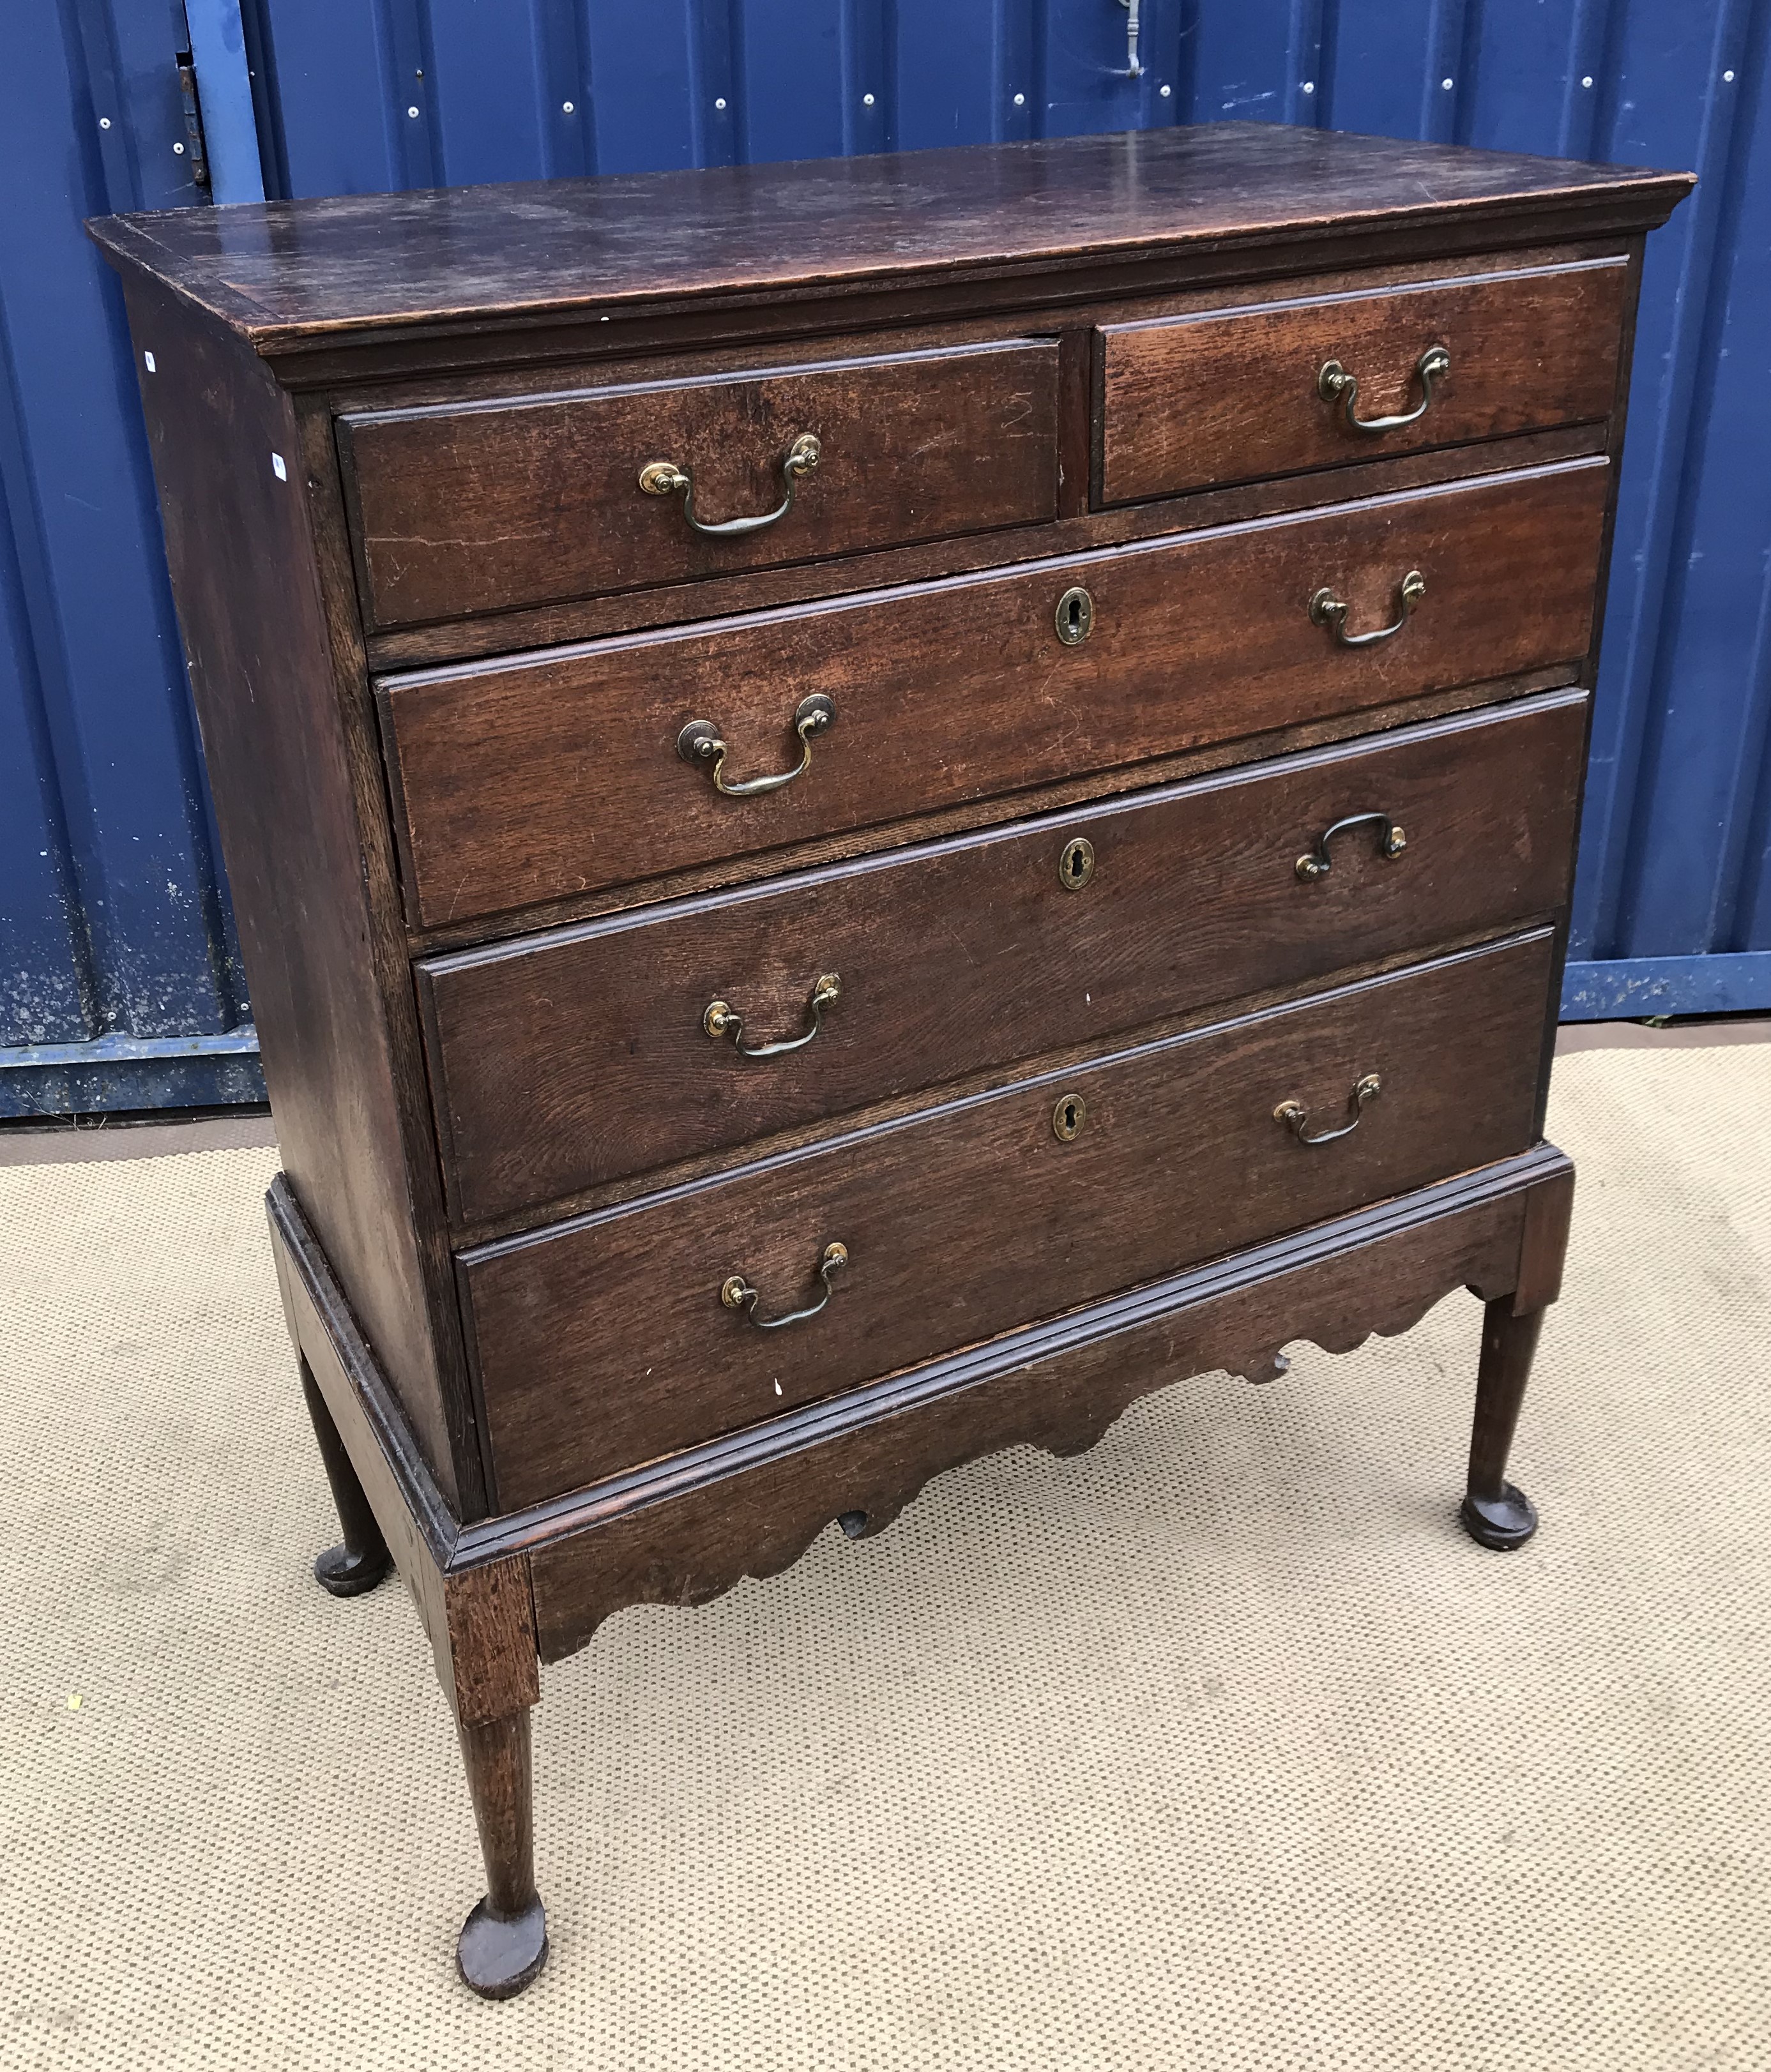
x,y
664,478
1391,842
1296,1116
736,1292
1334,384
702,741
721,1020
1328,610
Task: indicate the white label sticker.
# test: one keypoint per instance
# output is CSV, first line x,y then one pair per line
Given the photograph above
x,y
277,467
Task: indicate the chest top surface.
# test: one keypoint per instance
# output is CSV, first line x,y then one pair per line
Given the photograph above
x,y
282,274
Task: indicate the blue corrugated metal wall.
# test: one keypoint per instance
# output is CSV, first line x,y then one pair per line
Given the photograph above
x,y
119,975
116,945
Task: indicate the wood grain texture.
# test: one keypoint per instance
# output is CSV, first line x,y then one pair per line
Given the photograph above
x,y
602,1342
1195,402
242,547
415,1521
580,1057
443,262
1544,1245
686,1530
491,1640
497,1756
477,1614
721,596
458,510
544,777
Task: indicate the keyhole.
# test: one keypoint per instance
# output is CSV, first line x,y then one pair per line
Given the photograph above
x,y
1076,865
1075,617
1068,1117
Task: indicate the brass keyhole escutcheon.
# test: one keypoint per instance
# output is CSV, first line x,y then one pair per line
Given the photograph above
x,y
1075,865
1075,617
1068,1116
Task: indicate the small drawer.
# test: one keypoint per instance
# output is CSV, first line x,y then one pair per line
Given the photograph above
x,y
620,1336
466,508
540,778
564,1061
1191,402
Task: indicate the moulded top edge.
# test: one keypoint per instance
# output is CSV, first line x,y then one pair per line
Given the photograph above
x,y
287,275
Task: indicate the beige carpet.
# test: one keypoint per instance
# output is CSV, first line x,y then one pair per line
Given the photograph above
x,y
1218,1748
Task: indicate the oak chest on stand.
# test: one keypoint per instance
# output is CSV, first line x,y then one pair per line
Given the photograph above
x,y
875,807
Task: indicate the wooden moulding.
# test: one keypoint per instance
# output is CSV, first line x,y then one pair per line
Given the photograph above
x,y
494,1594
477,1614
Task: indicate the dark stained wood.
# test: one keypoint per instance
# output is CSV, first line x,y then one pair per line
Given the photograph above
x,y
685,1530
492,1640
539,777
582,1056
1192,402
241,545
1544,1245
1495,1513
361,1560
1085,789
477,1613
443,262
396,1479
464,510
720,597
486,371
503,1943
1590,676
604,1342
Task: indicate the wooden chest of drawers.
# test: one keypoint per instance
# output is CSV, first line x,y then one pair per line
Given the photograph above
x,y
875,807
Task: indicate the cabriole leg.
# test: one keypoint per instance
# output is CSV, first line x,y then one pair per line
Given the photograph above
x,y
359,1562
1495,1513
504,1941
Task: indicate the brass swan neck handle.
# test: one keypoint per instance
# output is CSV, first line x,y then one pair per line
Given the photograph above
x,y
722,1019
1296,1117
664,478
1335,384
736,1292
701,740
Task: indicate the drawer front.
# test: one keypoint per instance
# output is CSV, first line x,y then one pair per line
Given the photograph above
x,y
1232,395
605,1342
564,1063
533,780
464,508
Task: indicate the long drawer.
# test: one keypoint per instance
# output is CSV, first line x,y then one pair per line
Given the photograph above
x,y
623,1336
535,779
457,508
1222,396
563,1061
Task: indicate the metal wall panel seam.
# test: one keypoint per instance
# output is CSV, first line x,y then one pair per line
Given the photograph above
x,y
1652,493
1667,804
230,131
